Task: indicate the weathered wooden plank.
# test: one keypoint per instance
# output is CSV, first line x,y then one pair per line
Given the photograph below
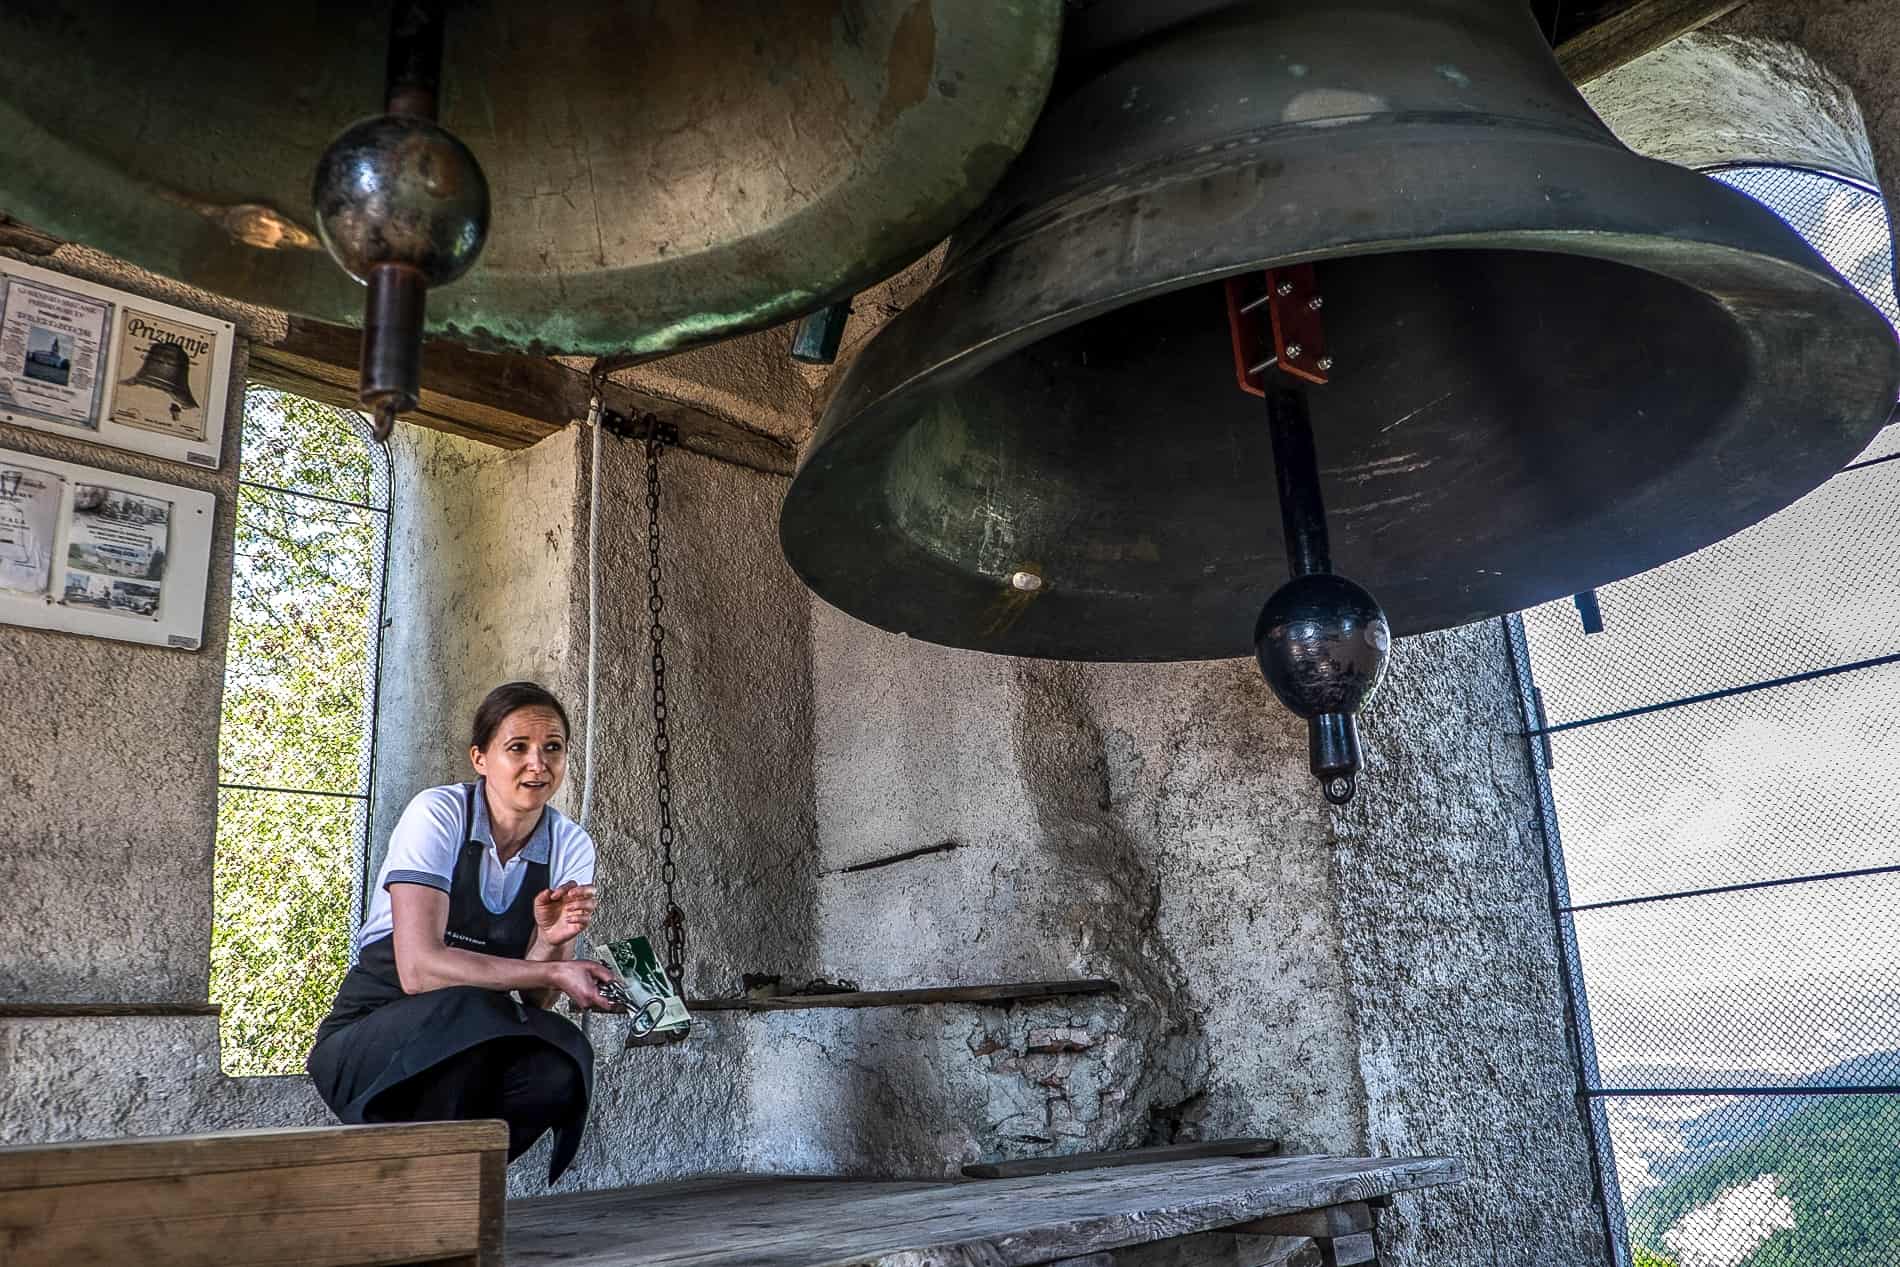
x,y
1348,1251
504,399
994,1223
66,1011
27,1166
1020,1167
1209,1249
1337,1220
999,994
341,1214
491,1238
1642,28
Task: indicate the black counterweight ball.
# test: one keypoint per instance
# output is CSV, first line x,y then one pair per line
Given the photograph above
x,y
399,189
402,205
1322,642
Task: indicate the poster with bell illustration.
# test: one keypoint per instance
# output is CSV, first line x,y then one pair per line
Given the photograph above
x,y
114,368
164,375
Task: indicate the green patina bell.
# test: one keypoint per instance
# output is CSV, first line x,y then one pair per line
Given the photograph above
x,y
660,175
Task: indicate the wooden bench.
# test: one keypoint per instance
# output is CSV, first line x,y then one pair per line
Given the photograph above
x,y
336,1196
1218,1212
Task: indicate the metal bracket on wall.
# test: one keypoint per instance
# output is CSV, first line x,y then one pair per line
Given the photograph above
x,y
638,426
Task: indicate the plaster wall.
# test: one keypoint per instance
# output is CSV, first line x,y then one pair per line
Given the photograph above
x,y
110,818
1707,100
481,556
1379,979
111,804
1853,40
739,715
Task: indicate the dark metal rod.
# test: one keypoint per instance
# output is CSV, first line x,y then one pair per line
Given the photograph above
x,y
289,791
1791,680
1655,1093
1861,466
317,497
414,69
1296,467
1776,883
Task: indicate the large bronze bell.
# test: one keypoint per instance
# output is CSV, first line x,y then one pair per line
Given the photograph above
x,y
661,174
1552,363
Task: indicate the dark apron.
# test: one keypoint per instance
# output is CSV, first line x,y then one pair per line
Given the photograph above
x,y
376,1037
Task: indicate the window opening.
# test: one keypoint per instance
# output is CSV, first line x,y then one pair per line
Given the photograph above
x,y
295,741
1720,791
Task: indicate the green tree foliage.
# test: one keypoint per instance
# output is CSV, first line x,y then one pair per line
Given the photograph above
x,y
1649,1258
296,690
1837,1159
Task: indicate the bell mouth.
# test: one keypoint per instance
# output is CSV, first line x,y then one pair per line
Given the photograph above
x,y
1634,365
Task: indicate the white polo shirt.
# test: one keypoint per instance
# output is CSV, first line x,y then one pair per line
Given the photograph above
x,y
429,836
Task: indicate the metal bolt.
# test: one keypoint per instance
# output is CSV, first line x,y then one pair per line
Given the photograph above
x,y
1325,363
1293,351
1286,288
1316,302
1027,582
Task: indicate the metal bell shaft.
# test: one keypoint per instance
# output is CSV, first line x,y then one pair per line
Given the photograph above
x,y
402,205
1570,363
1321,640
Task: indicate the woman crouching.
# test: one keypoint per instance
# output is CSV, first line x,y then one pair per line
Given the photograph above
x,y
483,892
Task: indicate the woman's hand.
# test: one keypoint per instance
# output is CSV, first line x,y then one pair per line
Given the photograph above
x,y
561,915
580,980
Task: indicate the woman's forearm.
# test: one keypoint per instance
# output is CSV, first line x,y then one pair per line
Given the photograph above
x,y
540,952
438,967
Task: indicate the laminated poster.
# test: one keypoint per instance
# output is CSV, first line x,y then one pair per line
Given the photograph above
x,y
115,551
29,520
642,987
164,375
52,346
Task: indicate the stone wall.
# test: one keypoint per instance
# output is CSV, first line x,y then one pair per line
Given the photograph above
x,y
110,797
482,551
108,859
1383,979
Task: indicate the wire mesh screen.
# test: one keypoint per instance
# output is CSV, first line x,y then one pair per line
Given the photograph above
x,y
294,742
1723,804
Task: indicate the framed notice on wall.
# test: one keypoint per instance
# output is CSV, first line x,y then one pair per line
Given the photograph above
x,y
92,552
88,361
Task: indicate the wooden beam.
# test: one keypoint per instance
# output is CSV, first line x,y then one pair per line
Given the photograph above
x,y
499,398
1208,1249
1641,28
67,1011
998,995
25,1166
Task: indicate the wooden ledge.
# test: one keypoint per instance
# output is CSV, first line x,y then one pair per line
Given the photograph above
x,y
982,995
506,399
69,1011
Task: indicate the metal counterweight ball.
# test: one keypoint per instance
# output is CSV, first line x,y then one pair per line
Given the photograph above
x,y
1322,643
398,189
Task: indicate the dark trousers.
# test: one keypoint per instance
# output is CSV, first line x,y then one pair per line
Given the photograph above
x,y
524,1082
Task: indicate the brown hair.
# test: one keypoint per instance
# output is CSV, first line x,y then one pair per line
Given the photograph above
x,y
504,700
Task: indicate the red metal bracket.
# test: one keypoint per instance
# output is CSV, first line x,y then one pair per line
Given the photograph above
x,y
1278,326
